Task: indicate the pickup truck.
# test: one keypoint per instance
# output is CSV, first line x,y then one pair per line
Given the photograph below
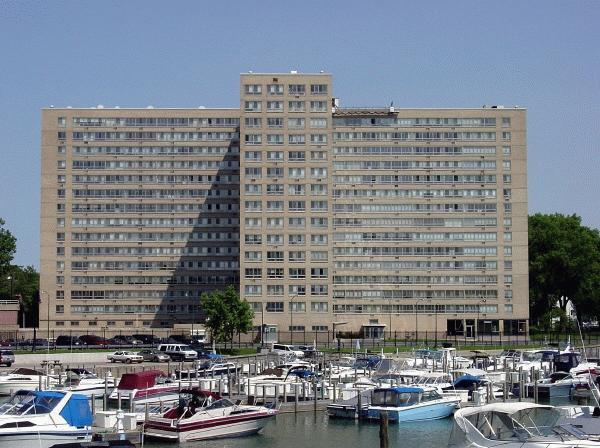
x,y
127,357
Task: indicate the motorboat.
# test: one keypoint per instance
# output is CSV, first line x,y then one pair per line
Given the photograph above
x,y
466,385
207,416
44,418
25,378
82,381
515,425
146,387
209,369
558,384
410,404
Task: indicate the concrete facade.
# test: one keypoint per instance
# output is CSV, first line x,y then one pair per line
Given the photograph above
x,y
378,218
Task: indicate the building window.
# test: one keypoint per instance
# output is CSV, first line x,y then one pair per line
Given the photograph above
x,y
128,323
319,307
93,323
508,279
275,89
253,106
508,294
318,106
274,290
507,251
506,122
74,323
507,265
298,307
274,307
297,290
252,89
320,328
296,328
508,308
252,122
506,150
506,136
61,150
61,164
296,106
318,89
274,106
60,323
275,123
253,290
60,309
253,273
62,122
296,89
60,295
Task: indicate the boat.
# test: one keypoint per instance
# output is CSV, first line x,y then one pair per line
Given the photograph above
x,y
209,369
25,378
44,418
82,381
146,387
206,416
515,425
411,404
558,384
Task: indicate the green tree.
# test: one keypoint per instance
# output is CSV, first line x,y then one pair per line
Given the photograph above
x,y
226,314
8,246
564,263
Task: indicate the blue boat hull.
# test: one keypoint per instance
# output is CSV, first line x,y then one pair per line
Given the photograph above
x,y
421,412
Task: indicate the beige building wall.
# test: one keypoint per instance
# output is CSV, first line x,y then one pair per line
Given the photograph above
x,y
381,219
139,215
285,199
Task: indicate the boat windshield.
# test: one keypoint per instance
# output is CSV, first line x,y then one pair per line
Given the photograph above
x,y
394,399
532,356
30,404
521,425
219,404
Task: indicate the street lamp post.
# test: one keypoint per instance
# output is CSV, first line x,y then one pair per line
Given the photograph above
x,y
262,324
417,319
435,311
477,321
47,316
292,318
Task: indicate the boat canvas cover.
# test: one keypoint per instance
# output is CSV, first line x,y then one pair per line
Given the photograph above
x,y
402,390
77,411
139,380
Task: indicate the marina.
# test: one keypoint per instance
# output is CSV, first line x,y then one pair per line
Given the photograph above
x,y
225,397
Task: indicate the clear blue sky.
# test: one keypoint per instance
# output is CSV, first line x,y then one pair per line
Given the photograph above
x,y
544,55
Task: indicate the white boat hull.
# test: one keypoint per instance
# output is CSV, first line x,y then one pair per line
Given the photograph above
x,y
41,439
233,429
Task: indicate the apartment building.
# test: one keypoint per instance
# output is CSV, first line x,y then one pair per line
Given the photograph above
x,y
368,219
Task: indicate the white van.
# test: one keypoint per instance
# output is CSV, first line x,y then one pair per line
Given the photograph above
x,y
282,349
178,352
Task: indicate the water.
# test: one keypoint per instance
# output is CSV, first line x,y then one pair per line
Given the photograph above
x,y
309,430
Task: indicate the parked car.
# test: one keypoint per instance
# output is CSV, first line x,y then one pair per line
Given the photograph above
x,y
147,338
153,355
282,349
67,341
178,352
309,351
7,357
92,339
126,340
127,357
180,339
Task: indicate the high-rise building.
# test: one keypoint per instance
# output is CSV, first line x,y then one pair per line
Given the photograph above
x,y
374,218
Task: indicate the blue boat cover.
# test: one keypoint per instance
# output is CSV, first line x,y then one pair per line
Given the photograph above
x,y
467,377
401,390
77,411
47,394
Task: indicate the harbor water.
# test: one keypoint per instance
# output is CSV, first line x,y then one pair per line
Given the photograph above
x,y
309,430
